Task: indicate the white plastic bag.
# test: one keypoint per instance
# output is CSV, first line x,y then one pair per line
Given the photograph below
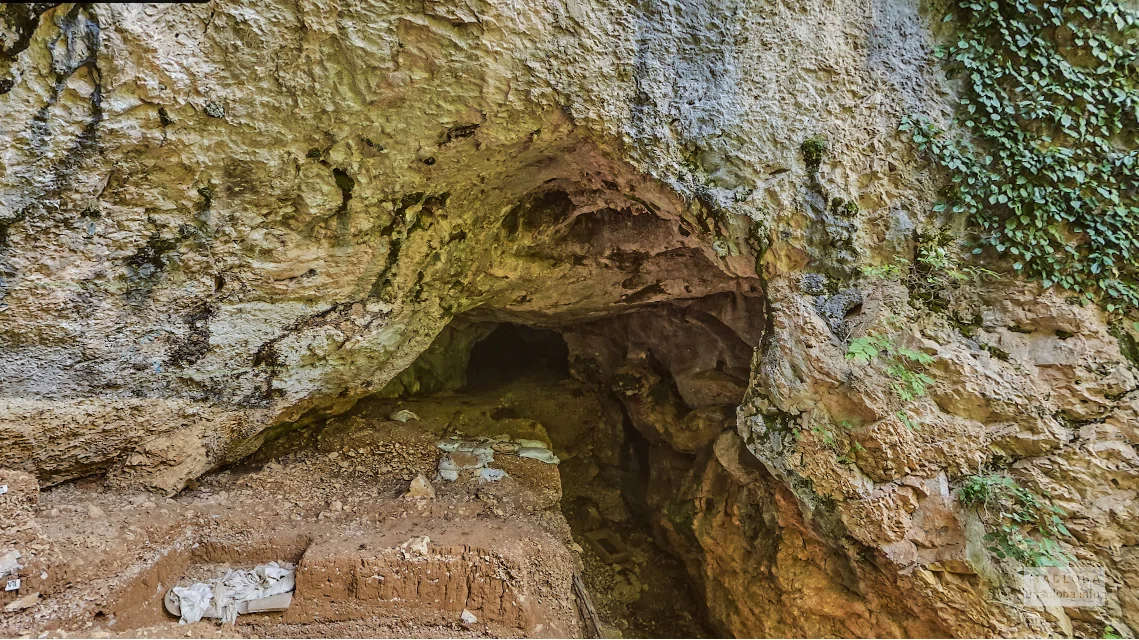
x,y
193,601
238,591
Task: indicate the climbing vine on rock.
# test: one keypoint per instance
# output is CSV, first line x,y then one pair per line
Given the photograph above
x,y
1022,525
1048,163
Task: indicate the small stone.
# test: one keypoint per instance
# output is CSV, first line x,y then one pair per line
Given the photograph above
x,y
334,455
23,603
418,545
94,511
505,447
449,445
466,460
420,488
468,617
9,562
539,454
403,415
336,505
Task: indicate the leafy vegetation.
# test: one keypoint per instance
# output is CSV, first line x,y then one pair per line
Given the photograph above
x,y
904,365
1049,167
1023,526
937,274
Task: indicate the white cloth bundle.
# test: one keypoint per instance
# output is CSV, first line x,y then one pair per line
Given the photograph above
x,y
236,587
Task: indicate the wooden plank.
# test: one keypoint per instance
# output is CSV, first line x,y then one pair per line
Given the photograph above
x,y
592,622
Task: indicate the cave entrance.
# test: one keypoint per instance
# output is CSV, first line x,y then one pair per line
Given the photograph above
x,y
628,402
626,406
637,585
614,336
512,352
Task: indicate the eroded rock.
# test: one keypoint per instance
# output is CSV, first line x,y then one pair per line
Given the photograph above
x,y
202,250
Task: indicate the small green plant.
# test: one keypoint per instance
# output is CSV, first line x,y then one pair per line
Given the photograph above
x,y
844,207
814,149
905,366
848,457
908,420
886,271
828,435
824,434
1022,525
940,262
1109,633
939,271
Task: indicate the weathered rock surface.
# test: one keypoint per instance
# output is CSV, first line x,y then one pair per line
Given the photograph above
x,y
220,220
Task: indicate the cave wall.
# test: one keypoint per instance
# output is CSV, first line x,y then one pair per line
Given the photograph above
x,y
219,219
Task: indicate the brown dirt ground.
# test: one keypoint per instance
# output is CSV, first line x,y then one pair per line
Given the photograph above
x,y
102,558
330,499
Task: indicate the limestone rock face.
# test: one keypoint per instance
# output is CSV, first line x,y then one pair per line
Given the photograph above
x,y
217,219
1006,396
221,219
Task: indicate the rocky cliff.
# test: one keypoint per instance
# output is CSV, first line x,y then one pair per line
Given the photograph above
x,y
225,220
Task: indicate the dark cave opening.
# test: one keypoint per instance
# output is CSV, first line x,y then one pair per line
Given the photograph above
x,y
639,585
628,402
514,351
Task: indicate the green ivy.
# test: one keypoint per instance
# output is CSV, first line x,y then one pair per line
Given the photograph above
x,y
1048,168
1022,525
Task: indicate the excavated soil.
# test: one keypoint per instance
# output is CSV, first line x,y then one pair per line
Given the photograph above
x,y
330,499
